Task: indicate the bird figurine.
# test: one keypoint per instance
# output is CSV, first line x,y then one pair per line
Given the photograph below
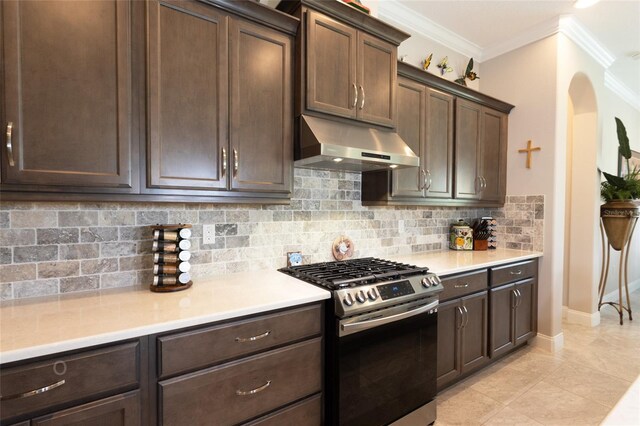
x,y
444,67
468,74
427,62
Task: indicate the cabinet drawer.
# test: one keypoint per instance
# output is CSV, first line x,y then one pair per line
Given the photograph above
x,y
242,390
201,348
69,378
304,413
514,272
119,410
459,285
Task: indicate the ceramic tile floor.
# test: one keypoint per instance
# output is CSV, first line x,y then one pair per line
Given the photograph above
x,y
576,386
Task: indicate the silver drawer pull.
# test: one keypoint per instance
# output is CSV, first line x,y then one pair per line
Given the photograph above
x,y
355,96
33,392
10,144
235,163
254,391
253,338
465,285
518,272
224,162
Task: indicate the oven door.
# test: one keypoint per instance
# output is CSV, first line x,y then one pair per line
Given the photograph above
x,y
385,363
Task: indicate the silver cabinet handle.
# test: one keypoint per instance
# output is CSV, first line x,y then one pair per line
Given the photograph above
x,y
362,103
519,300
465,285
33,392
355,95
518,272
514,303
235,162
461,317
484,182
428,175
466,316
224,161
10,144
421,179
253,338
254,391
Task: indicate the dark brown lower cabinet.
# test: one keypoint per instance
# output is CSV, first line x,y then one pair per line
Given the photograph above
x,y
462,337
96,386
119,410
513,319
236,392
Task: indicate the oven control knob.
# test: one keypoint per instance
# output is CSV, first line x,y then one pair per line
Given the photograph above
x,y
361,297
348,299
373,294
425,282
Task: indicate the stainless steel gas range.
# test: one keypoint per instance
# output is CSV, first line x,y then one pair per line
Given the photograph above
x,y
381,337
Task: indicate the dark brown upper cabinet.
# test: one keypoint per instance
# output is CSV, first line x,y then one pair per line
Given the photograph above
x,y
481,148
461,138
187,92
188,101
68,96
347,66
425,122
261,108
220,102
349,73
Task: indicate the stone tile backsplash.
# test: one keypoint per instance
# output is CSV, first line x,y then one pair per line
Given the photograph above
x,y
51,248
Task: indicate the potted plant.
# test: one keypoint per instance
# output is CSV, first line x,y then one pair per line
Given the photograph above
x,y
621,194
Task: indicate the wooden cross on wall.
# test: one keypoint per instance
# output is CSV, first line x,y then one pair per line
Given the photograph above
x,y
529,150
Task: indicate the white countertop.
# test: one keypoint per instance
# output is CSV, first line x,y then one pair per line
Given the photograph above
x,y
46,325
447,262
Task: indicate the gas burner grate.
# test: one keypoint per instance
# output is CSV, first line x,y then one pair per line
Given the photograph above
x,y
353,272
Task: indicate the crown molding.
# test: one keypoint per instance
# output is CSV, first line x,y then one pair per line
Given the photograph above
x,y
620,89
395,12
576,32
533,34
403,16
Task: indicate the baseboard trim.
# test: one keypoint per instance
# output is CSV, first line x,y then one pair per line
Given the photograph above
x,y
581,318
549,343
613,296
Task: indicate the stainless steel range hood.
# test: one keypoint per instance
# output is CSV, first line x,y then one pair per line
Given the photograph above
x,y
334,145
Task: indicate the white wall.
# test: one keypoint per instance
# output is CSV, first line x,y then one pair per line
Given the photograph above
x,y
525,78
536,78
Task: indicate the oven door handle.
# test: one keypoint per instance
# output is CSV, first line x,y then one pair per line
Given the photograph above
x,y
346,329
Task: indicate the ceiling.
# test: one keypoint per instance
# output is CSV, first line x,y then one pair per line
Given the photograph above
x,y
487,25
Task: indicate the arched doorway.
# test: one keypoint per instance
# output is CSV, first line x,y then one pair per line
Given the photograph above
x,y
582,241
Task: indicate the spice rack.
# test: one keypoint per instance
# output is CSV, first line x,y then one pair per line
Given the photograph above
x,y
171,254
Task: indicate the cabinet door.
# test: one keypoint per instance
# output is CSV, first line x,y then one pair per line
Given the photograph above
x,y
331,66
119,410
377,70
468,150
261,105
525,318
473,352
187,89
411,128
503,301
68,94
493,155
438,158
449,323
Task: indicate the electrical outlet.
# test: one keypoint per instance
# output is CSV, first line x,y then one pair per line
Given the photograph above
x,y
208,234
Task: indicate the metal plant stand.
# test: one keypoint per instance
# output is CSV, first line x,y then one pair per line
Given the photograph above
x,y
622,273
